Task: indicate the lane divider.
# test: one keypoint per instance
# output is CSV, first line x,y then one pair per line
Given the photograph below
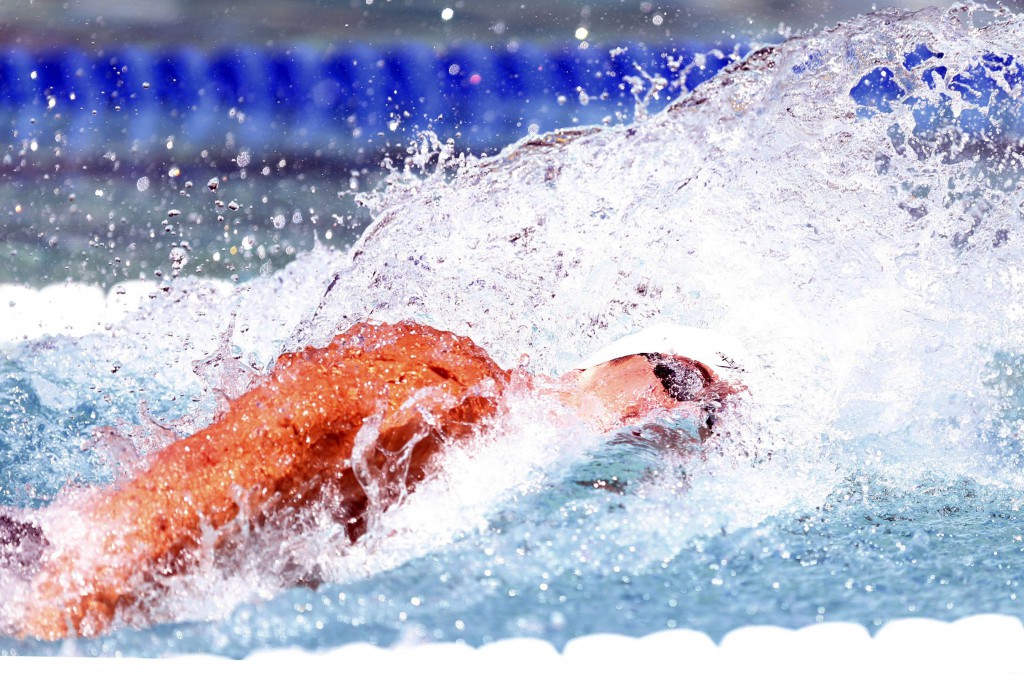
x,y
179,101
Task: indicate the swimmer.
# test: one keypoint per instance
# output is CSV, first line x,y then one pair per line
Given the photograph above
x,y
363,419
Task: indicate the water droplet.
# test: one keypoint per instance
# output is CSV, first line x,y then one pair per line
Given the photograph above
x,y
178,257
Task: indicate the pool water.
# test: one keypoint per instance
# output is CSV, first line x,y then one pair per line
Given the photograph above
x,y
847,204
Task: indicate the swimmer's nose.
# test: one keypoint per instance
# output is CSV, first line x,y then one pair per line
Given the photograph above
x,y
21,546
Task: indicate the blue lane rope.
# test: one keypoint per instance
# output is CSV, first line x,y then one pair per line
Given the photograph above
x,y
346,102
352,102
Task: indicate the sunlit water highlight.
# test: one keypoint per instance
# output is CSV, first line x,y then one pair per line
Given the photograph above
x,y
852,217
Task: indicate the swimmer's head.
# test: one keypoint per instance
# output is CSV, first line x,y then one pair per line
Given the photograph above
x,y
627,389
661,368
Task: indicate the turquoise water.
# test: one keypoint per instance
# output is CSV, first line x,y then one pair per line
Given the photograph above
x,y
854,221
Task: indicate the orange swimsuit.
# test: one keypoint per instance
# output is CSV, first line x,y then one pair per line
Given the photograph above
x,y
391,394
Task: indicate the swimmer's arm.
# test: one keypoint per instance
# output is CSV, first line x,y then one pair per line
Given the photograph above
x,y
268,451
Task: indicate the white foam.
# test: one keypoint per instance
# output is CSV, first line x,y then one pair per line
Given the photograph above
x,y
982,643
979,643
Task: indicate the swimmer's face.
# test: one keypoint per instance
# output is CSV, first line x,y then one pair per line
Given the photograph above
x,y
632,387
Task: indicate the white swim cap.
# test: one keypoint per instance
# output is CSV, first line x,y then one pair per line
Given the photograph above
x,y
724,354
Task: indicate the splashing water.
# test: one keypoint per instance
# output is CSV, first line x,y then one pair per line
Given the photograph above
x,y
848,204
